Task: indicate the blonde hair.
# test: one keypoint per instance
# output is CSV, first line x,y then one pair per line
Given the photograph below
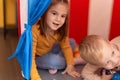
x,y
91,49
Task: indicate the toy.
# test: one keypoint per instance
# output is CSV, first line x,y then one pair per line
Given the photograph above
x,y
116,76
115,71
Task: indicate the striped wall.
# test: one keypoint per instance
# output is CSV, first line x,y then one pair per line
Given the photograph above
x,y
100,17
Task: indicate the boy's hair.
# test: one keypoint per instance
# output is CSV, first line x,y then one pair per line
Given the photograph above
x,y
91,49
63,31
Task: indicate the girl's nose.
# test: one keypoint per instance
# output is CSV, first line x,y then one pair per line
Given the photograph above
x,y
58,18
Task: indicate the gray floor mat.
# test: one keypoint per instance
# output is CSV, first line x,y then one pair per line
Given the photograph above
x,y
46,76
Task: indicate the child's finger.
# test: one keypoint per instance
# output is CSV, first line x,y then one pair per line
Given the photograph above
x,y
64,72
74,74
103,72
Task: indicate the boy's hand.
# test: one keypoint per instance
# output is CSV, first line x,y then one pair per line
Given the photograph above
x,y
106,77
71,71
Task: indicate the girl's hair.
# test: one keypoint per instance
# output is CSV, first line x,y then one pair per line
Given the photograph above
x,y
63,31
91,49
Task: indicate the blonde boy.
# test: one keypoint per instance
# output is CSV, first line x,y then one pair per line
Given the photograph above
x,y
99,53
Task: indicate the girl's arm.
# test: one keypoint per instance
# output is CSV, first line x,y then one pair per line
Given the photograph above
x,y
67,51
34,73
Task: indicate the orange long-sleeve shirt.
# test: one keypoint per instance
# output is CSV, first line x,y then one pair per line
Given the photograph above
x,y
41,45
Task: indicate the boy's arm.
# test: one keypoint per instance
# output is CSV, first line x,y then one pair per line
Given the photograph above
x,y
105,76
88,72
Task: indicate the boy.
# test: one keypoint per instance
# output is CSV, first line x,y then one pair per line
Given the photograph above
x,y
99,53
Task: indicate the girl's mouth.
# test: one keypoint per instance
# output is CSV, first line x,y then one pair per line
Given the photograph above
x,y
56,24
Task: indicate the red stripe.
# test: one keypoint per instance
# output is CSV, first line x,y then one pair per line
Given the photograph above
x,y
78,19
19,25
115,24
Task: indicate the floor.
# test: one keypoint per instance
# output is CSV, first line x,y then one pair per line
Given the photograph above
x,y
46,76
10,70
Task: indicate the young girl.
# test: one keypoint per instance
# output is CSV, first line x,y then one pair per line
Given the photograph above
x,y
99,53
52,49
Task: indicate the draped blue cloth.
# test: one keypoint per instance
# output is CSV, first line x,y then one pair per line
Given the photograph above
x,y
116,76
23,53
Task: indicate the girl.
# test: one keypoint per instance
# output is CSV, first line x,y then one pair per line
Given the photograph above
x,y
51,47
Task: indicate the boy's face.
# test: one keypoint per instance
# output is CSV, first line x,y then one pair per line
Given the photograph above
x,y
111,56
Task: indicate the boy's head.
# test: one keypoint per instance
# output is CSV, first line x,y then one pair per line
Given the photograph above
x,y
91,49
97,51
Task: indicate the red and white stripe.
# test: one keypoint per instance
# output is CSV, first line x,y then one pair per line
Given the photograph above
x,y
100,17
22,14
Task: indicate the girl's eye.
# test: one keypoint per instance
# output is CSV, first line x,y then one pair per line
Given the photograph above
x,y
63,16
54,13
113,53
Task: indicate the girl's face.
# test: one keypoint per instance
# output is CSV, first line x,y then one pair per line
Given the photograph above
x,y
56,16
111,56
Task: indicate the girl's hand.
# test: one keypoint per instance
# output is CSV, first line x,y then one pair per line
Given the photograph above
x,y
106,77
71,71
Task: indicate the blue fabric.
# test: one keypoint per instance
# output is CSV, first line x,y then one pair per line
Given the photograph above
x,y
23,52
116,76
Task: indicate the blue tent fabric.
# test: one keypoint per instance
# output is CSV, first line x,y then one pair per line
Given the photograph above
x,y
23,53
116,76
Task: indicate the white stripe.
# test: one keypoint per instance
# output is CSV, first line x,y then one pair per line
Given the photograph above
x,y
100,17
23,13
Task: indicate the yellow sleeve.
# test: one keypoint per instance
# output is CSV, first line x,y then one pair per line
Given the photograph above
x,y
67,51
34,73
76,52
